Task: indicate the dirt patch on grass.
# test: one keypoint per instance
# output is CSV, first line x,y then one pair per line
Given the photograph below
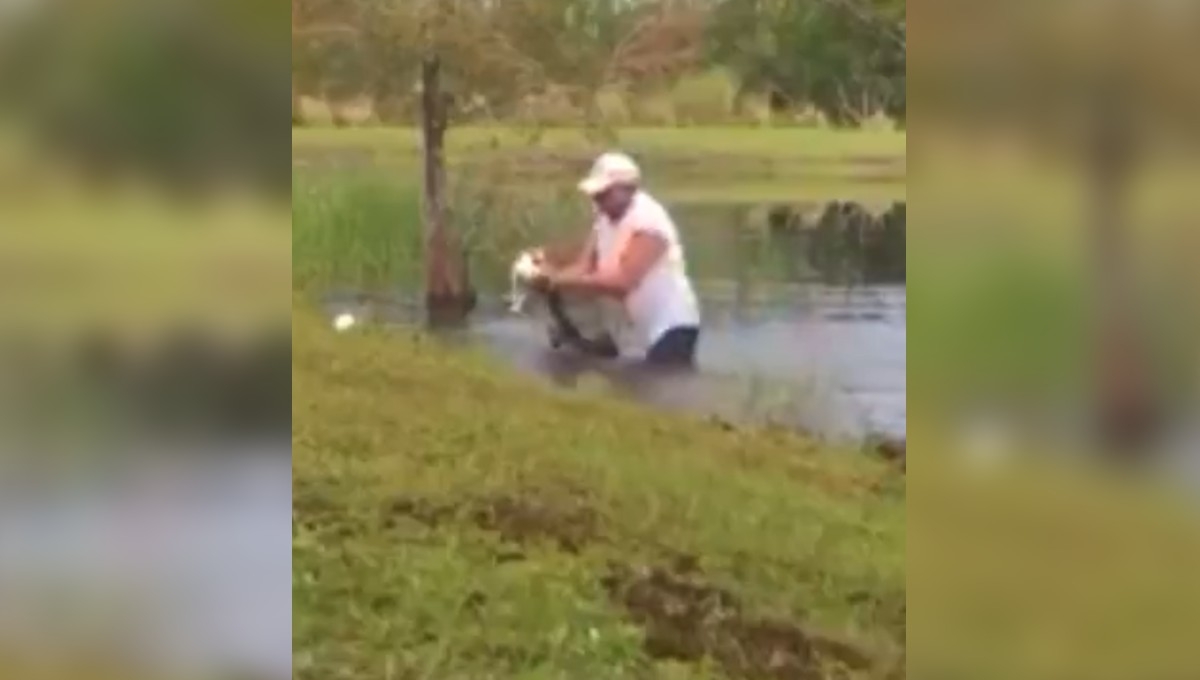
x,y
522,520
688,619
526,520
316,511
419,509
892,450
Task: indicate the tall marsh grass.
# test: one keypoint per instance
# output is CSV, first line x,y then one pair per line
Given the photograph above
x,y
362,229
356,229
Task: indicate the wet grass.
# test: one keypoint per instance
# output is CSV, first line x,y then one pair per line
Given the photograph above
x,y
452,520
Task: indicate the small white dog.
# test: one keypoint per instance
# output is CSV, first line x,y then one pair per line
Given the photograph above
x,y
525,268
586,322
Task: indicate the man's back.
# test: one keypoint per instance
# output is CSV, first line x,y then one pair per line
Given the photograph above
x,y
664,298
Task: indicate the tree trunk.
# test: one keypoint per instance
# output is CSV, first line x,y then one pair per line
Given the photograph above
x,y
297,105
448,294
1125,394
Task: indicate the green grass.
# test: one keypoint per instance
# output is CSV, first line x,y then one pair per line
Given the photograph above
x,y
135,263
359,229
783,142
455,521
702,163
1044,569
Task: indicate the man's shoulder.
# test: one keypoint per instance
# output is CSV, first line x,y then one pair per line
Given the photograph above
x,y
650,212
646,201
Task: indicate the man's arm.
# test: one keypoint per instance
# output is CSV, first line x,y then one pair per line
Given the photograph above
x,y
642,251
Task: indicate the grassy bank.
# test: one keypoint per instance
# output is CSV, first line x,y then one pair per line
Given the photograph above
x,y
454,521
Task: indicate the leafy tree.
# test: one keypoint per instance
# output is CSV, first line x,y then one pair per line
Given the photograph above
x,y
846,57
184,94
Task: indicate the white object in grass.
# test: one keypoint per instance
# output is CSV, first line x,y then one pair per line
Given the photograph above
x,y
344,321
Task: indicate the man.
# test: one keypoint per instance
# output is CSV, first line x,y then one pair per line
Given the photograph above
x,y
633,254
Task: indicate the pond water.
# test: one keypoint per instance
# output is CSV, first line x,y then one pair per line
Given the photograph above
x,y
832,363
176,565
804,321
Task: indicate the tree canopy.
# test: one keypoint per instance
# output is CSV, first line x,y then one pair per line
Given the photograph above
x,y
845,58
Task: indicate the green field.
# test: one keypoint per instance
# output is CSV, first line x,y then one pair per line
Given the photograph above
x,y
79,261
783,142
705,163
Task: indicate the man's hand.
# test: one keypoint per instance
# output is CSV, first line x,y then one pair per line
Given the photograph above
x,y
543,282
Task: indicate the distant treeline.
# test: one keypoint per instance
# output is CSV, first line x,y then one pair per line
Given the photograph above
x,y
604,61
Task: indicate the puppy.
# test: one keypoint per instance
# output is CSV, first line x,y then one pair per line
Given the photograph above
x,y
525,268
581,322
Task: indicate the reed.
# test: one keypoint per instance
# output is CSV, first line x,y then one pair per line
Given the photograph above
x,y
362,229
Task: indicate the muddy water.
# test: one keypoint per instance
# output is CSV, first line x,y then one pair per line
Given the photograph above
x,y
804,321
832,362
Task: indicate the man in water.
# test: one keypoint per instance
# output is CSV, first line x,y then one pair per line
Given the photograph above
x,y
633,254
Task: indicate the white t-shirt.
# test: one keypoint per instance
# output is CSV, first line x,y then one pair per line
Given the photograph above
x,y
665,298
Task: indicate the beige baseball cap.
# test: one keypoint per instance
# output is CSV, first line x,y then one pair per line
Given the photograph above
x,y
610,169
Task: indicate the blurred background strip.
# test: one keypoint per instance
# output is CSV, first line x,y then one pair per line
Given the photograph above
x,y
145,259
